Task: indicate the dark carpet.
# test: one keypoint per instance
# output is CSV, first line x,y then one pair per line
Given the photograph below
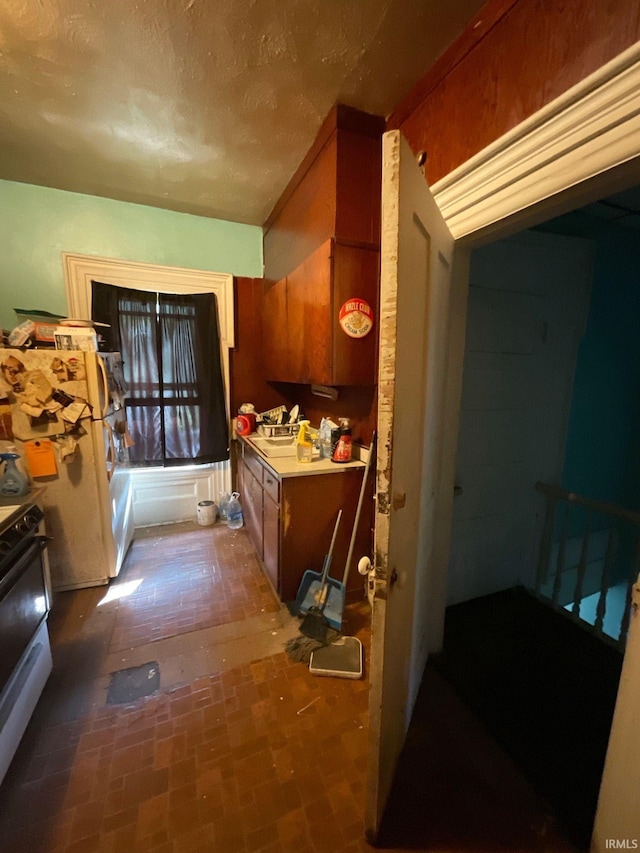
x,y
545,689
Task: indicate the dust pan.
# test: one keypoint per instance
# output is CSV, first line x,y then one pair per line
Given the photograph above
x,y
342,659
336,593
314,597
313,587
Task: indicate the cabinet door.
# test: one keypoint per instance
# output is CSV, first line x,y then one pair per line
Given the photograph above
x,y
251,497
309,316
297,322
303,339
275,340
271,540
355,276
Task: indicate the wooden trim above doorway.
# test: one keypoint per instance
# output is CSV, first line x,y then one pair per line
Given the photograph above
x,y
515,182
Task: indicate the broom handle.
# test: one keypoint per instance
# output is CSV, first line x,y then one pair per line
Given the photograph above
x,y
327,559
360,501
324,586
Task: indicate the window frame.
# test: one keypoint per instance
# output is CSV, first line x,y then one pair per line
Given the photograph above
x,y
80,270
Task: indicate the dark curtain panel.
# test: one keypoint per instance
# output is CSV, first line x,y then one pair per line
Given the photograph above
x,y
104,309
170,345
192,378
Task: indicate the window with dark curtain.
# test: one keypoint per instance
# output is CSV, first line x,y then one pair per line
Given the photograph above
x,y
170,347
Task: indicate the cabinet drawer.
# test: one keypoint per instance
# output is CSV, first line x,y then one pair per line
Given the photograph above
x,y
271,485
253,463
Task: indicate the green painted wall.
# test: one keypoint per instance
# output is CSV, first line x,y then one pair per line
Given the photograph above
x,y
37,224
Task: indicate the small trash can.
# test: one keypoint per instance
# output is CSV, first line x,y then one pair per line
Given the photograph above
x,y
206,513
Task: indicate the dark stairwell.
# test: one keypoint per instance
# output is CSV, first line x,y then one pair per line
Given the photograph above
x,y
545,689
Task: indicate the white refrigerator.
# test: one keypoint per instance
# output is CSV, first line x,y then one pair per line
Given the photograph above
x,y
69,406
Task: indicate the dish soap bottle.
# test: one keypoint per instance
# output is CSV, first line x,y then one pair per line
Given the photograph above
x,y
13,482
304,448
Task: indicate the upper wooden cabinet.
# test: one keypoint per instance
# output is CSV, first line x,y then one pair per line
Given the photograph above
x,y
303,340
321,250
335,193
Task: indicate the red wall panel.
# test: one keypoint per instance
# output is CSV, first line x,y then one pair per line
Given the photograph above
x,y
524,55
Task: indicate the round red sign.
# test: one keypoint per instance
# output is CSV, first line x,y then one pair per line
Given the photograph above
x,y
356,318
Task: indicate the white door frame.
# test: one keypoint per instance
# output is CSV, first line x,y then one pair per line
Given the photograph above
x,y
577,149
583,145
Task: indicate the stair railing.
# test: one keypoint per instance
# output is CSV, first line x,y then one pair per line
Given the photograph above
x,y
557,515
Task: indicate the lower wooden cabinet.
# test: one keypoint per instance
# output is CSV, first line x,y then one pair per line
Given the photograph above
x,y
271,539
290,521
250,487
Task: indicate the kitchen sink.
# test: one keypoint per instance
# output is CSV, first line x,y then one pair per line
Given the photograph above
x,y
275,445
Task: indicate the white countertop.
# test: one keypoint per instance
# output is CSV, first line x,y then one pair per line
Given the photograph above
x,y
288,466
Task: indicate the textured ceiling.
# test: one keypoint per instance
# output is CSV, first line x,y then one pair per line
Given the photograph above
x,y
201,106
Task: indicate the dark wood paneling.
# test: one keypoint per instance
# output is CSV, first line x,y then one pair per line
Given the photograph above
x,y
248,378
308,218
356,403
271,540
359,175
335,191
355,276
275,338
311,506
310,290
253,462
534,52
474,32
251,497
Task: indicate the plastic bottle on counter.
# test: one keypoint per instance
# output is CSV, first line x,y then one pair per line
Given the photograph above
x,y
304,444
235,518
341,442
13,483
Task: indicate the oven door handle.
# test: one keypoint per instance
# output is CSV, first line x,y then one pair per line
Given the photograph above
x,y
36,546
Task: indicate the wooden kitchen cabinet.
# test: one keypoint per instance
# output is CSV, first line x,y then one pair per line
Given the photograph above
x,y
250,487
290,520
271,539
301,319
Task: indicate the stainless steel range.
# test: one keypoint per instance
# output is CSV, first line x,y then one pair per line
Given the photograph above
x,y
25,596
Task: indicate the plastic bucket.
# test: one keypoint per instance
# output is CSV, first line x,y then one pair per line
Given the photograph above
x,y
206,513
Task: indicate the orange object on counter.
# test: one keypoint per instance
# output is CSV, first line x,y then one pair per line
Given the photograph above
x,y
41,458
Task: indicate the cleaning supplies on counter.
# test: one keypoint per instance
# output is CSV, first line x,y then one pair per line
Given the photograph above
x,y
246,420
341,442
235,518
13,482
324,436
246,423
304,443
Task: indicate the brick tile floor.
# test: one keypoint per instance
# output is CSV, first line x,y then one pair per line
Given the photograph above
x,y
239,753
256,757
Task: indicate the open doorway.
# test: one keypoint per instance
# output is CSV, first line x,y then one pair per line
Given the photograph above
x,y
551,371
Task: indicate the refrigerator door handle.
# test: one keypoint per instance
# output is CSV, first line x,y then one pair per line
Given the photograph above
x,y
111,451
105,387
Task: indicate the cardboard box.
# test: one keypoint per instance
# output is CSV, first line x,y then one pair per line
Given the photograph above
x,y
45,332
76,337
